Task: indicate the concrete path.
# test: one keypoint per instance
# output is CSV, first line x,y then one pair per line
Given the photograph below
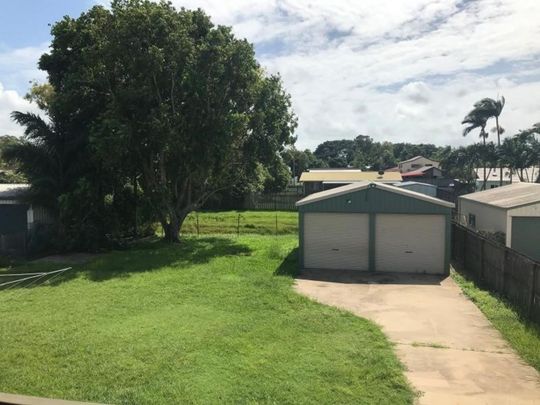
x,y
450,350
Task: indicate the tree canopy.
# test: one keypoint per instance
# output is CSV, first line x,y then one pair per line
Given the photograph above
x,y
162,99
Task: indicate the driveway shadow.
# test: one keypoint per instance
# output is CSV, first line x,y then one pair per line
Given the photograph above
x,y
362,277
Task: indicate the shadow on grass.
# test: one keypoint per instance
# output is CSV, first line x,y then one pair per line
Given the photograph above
x,y
144,257
289,265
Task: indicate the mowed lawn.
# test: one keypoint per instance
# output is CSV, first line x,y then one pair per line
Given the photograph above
x,y
213,320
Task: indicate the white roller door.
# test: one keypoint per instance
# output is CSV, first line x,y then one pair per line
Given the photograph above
x,y
409,243
336,241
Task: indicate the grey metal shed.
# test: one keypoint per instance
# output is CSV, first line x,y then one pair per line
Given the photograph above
x,y
374,227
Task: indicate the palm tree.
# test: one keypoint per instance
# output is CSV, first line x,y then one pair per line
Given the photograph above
x,y
489,108
474,120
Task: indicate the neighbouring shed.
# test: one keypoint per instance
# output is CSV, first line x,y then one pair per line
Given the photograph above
x,y
374,227
423,188
17,217
512,211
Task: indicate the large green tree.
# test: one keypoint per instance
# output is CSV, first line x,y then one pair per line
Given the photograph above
x,y
169,99
299,161
337,154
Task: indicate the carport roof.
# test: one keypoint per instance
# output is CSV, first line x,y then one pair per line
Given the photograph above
x,y
349,188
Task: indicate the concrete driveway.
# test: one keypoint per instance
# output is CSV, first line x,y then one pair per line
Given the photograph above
x,y
451,352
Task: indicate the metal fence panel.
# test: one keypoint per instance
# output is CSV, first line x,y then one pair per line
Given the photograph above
x,y
501,269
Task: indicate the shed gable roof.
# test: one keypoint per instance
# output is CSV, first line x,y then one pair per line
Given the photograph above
x,y
509,196
350,188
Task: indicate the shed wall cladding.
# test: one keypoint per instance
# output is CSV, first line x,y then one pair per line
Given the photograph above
x,y
416,239
12,218
525,231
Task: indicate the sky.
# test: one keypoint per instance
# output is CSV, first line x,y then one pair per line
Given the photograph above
x,y
400,71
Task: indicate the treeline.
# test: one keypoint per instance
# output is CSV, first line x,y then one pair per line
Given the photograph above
x,y
361,152
516,152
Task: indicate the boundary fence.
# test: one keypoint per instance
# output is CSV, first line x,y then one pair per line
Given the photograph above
x,y
499,268
275,201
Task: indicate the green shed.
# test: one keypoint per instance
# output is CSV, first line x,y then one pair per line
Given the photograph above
x,y
377,227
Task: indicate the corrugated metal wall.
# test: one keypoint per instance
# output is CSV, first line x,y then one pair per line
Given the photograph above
x,y
374,201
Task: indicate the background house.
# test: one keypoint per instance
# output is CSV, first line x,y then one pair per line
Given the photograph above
x,y
416,163
511,213
316,180
426,174
427,189
529,175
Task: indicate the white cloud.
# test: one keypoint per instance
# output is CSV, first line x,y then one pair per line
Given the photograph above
x,y
11,101
18,67
400,71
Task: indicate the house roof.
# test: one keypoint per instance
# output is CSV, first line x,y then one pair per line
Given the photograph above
x,y
349,188
509,196
349,176
11,191
419,172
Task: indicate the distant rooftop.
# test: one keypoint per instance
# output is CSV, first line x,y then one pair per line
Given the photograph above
x,y
509,196
349,176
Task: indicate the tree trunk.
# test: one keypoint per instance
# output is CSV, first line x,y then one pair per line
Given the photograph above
x,y
172,228
499,150
135,198
484,186
171,231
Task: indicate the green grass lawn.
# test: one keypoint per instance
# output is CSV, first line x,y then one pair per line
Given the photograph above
x,y
213,320
243,222
521,334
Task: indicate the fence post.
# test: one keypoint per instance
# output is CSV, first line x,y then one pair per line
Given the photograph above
x,y
533,290
503,287
238,226
482,255
197,218
465,237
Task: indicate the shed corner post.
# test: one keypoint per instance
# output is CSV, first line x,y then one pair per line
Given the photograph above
x,y
448,244
301,238
372,230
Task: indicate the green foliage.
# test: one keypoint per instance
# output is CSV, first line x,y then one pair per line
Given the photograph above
x,y
167,97
336,153
300,161
366,154
522,151
9,171
211,320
